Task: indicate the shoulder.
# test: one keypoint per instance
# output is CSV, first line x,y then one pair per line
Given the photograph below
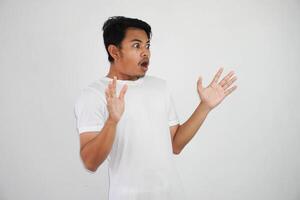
x,y
93,92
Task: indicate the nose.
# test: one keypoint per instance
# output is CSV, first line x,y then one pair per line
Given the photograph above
x,y
145,52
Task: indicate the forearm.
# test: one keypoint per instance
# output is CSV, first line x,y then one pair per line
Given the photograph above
x,y
95,151
187,130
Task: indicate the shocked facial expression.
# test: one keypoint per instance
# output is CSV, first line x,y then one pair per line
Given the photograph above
x,y
134,54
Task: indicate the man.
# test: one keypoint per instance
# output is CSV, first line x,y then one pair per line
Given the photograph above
x,y
132,123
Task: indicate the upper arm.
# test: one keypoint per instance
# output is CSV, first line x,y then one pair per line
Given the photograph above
x,y
173,121
90,111
173,130
86,137
90,114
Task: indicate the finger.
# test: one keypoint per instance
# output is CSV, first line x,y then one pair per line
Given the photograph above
x,y
123,91
226,78
107,94
229,83
217,76
227,92
113,89
199,83
115,85
110,90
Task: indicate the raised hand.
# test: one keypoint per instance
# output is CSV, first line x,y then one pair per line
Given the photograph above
x,y
115,105
212,95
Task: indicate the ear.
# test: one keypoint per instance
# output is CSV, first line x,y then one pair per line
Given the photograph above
x,y
113,51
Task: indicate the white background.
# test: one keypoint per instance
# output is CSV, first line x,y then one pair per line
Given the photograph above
x,y
246,149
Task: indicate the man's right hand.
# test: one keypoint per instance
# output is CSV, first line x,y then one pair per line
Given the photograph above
x,y
115,105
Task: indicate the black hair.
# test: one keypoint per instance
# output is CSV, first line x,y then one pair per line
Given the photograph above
x,y
114,29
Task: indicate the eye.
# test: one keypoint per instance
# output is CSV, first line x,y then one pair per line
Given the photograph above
x,y
148,46
136,45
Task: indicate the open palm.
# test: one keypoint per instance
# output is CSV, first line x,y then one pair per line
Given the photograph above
x,y
115,104
215,92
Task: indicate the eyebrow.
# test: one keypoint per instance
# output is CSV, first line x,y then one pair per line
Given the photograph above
x,y
137,40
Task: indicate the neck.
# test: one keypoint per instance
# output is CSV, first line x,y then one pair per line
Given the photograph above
x,y
113,71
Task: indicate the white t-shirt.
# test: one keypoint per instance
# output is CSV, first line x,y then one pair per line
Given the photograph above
x,y
140,164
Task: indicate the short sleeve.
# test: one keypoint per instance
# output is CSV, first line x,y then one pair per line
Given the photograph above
x,y
90,112
172,114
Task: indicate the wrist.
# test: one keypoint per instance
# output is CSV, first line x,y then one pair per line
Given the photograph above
x,y
206,108
111,121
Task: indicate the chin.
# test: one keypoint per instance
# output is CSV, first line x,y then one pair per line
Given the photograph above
x,y
141,76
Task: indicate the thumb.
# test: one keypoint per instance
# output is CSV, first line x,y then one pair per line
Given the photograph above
x,y
122,92
199,83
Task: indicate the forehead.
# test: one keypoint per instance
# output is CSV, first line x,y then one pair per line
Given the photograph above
x,y
135,33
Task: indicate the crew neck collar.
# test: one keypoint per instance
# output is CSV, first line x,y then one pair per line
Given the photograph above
x,y
128,82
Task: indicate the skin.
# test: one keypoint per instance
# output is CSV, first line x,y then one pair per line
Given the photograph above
x,y
210,97
134,48
95,147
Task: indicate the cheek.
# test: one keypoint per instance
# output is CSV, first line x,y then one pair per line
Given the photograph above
x,y
133,58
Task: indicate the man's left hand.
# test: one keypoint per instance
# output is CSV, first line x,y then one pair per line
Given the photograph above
x,y
213,95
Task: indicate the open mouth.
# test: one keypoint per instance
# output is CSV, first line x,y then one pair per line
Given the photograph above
x,y
144,64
